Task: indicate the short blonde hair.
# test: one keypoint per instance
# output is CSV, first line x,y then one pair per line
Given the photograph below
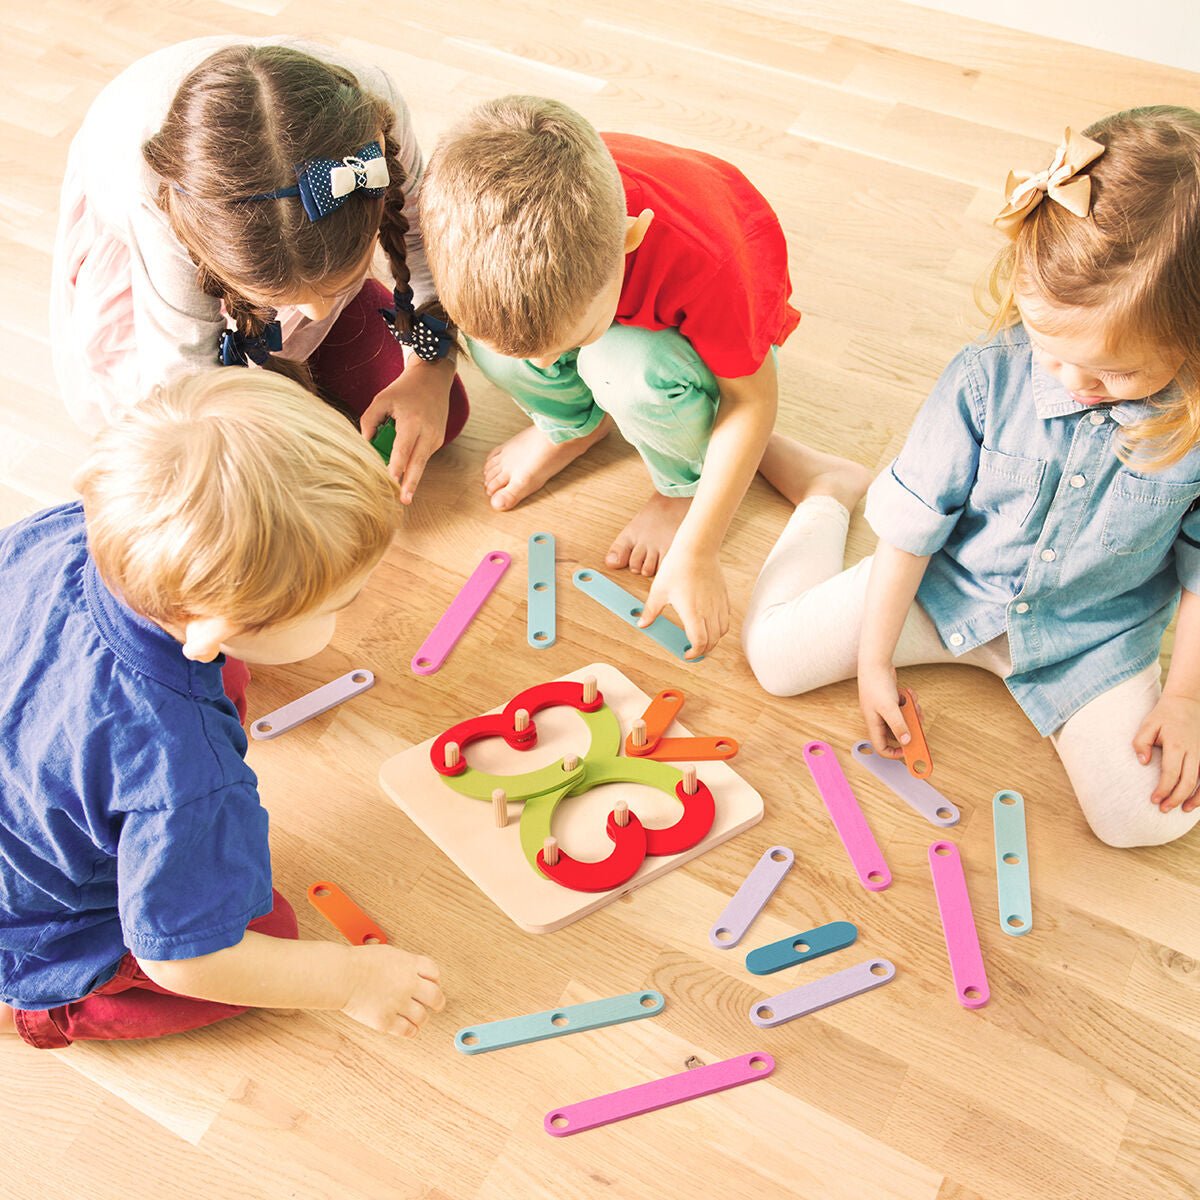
x,y
523,216
1134,260
237,494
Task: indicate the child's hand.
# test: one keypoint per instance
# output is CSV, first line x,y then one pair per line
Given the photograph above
x,y
418,405
1173,724
392,990
879,699
694,586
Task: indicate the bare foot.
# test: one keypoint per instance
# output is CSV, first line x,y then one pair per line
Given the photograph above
x,y
523,464
797,472
8,1022
643,543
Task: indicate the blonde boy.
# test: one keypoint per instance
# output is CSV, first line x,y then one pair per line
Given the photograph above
x,y
615,279
230,513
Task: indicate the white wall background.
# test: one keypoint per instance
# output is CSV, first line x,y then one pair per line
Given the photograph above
x,y
1162,31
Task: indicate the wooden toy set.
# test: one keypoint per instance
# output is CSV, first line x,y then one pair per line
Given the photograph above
x,y
586,758
626,819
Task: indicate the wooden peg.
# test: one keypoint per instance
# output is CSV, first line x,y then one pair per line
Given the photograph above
x,y
550,851
621,813
570,762
689,779
589,689
521,720
452,754
500,807
638,733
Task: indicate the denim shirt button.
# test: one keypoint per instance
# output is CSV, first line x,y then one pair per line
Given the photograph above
x,y
1077,481
1048,555
957,639
1022,607
1097,418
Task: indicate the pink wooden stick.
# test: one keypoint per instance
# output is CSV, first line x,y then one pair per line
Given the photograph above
x,y
461,613
658,1093
958,924
865,854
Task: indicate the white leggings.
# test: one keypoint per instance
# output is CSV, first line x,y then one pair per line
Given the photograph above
x,y
802,632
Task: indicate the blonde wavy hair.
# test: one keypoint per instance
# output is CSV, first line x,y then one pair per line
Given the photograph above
x,y
1134,261
234,494
523,216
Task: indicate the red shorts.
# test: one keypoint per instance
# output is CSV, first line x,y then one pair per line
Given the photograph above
x,y
131,1005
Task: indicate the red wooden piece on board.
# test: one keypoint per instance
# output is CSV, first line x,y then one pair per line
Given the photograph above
x,y
629,850
699,811
504,724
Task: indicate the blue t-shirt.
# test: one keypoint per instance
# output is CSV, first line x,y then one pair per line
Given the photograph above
x,y
129,819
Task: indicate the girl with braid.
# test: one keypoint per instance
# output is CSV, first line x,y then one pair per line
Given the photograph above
x,y
223,204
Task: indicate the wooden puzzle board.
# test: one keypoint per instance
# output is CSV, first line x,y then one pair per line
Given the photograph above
x,y
466,831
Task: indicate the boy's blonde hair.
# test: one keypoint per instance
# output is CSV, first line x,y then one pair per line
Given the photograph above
x,y
523,216
1134,260
234,494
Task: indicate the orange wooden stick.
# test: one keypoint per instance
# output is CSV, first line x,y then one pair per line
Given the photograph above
x,y
916,754
663,709
343,914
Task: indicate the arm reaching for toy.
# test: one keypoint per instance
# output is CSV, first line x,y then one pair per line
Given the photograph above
x,y
690,577
891,590
417,401
1174,722
380,986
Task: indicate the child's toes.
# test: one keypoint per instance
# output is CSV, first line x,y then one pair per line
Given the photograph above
x,y
637,558
618,554
650,562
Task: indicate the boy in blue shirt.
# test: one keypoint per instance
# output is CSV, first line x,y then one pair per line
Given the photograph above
x,y
230,513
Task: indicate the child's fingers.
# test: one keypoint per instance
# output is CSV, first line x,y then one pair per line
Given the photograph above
x,y
893,715
1168,774
371,420
1144,740
1189,772
413,471
652,609
877,732
429,994
698,636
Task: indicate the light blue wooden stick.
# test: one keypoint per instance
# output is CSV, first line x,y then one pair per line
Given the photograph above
x,y
629,608
1012,863
542,621
558,1022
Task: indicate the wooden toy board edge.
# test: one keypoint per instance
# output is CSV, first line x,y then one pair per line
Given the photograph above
x,y
533,904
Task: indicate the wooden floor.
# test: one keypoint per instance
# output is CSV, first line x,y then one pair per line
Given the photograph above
x,y
882,133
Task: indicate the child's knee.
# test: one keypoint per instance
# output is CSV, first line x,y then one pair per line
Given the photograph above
x,y
761,645
630,367
1133,824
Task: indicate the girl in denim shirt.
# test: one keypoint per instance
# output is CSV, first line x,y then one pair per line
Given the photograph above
x,y
1041,520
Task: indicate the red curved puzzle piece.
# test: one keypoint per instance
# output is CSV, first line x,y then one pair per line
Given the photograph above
x,y
699,811
550,695
504,723
472,730
629,851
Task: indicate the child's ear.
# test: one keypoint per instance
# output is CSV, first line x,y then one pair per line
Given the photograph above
x,y
635,229
202,637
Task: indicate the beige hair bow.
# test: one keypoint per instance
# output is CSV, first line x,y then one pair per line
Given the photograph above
x,y
1061,181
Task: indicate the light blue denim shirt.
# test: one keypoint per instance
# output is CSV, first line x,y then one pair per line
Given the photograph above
x,y
1037,529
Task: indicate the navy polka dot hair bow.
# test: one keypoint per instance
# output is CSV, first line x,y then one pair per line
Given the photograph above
x,y
237,350
323,184
430,338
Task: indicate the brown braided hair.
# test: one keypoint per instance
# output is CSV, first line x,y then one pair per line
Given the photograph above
x,y
236,127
